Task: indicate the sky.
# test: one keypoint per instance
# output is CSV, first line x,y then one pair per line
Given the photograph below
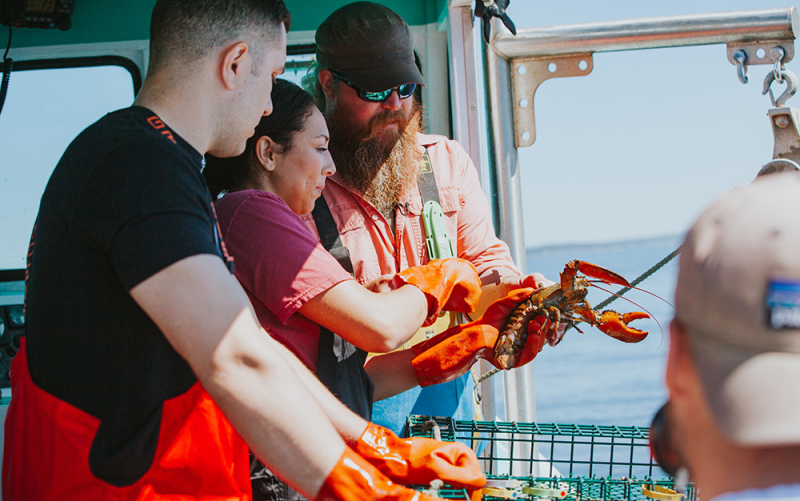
x,y
640,146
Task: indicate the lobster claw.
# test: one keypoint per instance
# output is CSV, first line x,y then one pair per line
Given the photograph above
x,y
594,271
615,325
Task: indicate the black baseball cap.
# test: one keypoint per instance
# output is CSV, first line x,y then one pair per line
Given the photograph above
x,y
369,45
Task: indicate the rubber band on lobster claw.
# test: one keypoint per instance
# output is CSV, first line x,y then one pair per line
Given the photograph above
x,y
450,354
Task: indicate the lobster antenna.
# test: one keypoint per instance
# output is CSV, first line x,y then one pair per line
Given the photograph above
x,y
627,288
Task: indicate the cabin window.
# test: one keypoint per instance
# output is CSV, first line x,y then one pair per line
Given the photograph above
x,y
44,110
298,61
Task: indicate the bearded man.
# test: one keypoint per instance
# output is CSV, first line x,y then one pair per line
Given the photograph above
x,y
365,83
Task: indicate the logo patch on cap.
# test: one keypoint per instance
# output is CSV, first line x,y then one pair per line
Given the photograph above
x,y
783,304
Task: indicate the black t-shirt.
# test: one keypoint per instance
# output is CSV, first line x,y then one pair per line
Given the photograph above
x,y
126,200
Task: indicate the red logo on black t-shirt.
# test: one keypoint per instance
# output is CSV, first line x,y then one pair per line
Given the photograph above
x,y
158,125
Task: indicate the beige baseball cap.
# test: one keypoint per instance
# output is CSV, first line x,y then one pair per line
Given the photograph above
x,y
738,295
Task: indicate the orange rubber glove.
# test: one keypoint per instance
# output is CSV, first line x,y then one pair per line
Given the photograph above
x,y
446,356
449,284
353,478
420,460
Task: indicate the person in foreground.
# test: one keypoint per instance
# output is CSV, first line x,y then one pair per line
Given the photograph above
x,y
733,371
387,170
302,295
145,373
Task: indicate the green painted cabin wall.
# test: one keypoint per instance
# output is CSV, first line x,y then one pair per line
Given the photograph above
x,y
93,21
96,21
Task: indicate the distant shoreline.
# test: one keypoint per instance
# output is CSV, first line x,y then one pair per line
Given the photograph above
x,y
670,240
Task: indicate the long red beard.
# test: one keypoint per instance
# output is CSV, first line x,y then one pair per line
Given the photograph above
x,y
381,165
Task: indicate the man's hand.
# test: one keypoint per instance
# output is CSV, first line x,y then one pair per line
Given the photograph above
x,y
534,281
496,285
355,479
500,282
420,460
538,281
446,356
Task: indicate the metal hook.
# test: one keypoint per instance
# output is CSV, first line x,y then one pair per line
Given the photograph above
x,y
776,54
791,87
741,66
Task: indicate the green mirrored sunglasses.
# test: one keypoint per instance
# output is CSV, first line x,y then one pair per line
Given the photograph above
x,y
404,91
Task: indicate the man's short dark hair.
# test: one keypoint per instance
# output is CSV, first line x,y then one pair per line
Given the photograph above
x,y
187,30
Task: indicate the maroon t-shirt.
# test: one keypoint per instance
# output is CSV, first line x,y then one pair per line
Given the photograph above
x,y
280,264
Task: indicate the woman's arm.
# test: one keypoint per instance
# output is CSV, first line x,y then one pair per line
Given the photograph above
x,y
376,322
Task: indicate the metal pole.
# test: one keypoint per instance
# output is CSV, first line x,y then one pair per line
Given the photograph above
x,y
650,33
519,397
469,127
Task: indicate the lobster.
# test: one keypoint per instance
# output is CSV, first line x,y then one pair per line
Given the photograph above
x,y
565,303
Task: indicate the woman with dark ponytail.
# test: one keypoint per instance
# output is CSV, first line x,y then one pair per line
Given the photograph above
x,y
300,292
292,107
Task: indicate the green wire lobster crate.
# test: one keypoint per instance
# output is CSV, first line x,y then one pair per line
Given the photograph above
x,y
559,461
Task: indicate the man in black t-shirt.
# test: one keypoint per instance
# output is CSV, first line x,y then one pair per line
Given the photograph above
x,y
142,352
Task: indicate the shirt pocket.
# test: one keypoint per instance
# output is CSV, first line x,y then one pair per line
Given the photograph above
x,y
351,219
452,202
451,199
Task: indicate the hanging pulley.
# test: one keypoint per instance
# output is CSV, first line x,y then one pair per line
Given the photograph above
x,y
786,152
784,119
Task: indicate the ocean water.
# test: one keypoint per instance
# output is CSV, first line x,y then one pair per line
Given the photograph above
x,y
591,378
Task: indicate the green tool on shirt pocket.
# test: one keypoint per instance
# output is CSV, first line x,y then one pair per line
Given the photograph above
x,y
439,244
